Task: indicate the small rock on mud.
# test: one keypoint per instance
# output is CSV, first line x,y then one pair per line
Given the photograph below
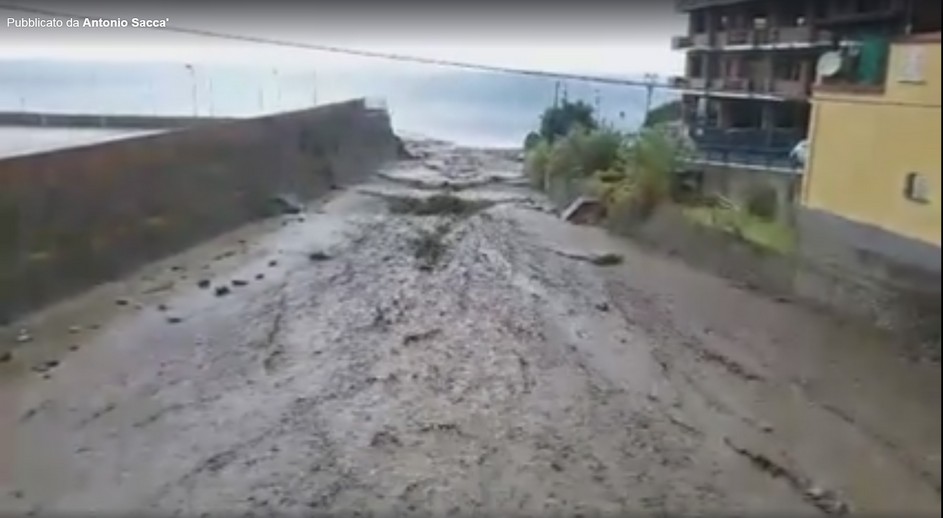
x,y
221,291
46,366
203,283
6,356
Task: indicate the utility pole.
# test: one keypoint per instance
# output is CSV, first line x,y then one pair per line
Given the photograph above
x,y
193,87
212,108
556,93
649,88
314,89
278,89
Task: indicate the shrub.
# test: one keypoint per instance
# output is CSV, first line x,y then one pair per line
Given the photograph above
x,y
535,163
565,156
600,150
533,138
560,121
762,202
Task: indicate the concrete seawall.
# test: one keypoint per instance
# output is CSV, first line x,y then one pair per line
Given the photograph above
x,y
69,120
72,218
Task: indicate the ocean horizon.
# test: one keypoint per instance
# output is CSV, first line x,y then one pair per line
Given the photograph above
x,y
473,108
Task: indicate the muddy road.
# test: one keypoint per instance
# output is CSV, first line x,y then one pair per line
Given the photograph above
x,y
380,354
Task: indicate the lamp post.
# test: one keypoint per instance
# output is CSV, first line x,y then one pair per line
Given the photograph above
x,y
649,88
193,86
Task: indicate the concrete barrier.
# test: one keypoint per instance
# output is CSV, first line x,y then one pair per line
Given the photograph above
x,y
77,120
72,218
876,289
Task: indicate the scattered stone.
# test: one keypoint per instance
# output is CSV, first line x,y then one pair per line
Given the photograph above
x,y
74,347
239,282
176,268
383,438
162,307
6,356
602,306
221,291
17,494
174,320
318,256
122,302
284,204
46,366
74,329
23,336
606,259
259,276
273,262
766,427
203,283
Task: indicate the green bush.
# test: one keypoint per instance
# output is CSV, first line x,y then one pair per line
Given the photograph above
x,y
533,138
535,163
600,150
559,121
762,202
565,156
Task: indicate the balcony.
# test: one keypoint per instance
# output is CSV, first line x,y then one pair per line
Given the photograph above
x,y
856,17
797,36
688,5
863,71
747,146
788,88
701,40
681,42
731,84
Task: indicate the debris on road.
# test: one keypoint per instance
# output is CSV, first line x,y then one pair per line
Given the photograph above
x,y
46,366
23,336
221,291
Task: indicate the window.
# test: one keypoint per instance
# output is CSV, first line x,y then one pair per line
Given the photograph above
x,y
915,188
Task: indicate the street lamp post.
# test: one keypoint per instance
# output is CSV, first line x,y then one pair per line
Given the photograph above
x,y
193,86
649,88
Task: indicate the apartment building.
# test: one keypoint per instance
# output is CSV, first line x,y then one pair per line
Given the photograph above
x,y
751,65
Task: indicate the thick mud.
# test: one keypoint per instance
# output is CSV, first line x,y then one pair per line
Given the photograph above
x,y
454,362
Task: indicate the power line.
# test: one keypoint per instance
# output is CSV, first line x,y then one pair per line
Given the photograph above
x,y
648,83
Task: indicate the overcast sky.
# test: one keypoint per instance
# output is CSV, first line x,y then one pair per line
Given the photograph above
x,y
597,38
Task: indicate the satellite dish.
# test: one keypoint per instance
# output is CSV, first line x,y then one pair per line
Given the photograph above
x,y
829,64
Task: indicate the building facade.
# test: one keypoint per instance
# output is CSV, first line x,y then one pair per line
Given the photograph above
x,y
751,65
874,155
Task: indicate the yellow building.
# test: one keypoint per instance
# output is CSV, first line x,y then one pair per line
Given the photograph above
x,y
874,150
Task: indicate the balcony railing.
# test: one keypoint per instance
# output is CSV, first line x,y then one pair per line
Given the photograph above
x,y
687,5
749,146
681,42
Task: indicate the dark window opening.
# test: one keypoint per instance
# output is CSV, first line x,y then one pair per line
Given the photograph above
x,y
787,69
916,188
698,22
744,115
696,66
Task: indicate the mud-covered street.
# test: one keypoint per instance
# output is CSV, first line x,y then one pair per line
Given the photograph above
x,y
381,354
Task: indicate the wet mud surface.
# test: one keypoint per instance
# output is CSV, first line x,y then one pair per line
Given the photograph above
x,y
453,362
